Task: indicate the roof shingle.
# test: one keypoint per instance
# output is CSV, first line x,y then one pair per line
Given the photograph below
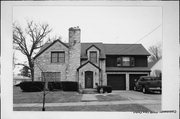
x,y
107,49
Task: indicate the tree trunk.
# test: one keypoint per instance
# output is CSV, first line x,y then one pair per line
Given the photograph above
x,y
31,65
32,74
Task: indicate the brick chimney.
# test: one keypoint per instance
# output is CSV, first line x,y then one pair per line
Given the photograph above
x,y
74,53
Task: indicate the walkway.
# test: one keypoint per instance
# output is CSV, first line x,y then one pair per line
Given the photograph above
x,y
87,103
88,97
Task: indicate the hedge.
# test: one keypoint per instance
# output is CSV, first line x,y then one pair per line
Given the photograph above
x,y
54,85
29,86
69,86
35,86
104,89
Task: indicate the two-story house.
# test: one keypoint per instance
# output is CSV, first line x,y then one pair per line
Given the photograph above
x,y
116,65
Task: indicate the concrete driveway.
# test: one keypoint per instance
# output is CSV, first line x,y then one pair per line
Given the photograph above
x,y
135,95
154,99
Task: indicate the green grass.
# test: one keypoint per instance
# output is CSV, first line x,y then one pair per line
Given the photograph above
x,y
51,97
123,107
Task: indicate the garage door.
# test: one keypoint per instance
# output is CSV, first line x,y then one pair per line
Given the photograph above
x,y
51,76
132,78
117,81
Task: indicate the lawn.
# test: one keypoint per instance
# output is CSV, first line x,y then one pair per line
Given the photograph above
x,y
51,96
110,97
122,107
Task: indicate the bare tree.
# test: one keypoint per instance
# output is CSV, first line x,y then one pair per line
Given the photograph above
x,y
30,39
155,52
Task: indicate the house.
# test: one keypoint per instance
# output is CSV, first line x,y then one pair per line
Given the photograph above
x,y
156,67
90,63
19,79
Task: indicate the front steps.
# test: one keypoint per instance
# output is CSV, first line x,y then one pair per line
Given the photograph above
x,y
89,91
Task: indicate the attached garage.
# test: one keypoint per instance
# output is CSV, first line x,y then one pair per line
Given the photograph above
x,y
132,78
117,81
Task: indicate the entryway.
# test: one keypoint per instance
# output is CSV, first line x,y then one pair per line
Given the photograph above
x,y
88,79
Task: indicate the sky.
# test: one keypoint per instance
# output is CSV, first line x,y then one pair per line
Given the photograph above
x,y
107,24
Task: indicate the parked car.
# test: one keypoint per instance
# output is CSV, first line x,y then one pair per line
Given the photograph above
x,y
148,84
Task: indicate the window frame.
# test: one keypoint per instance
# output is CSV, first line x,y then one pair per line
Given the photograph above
x,y
58,57
91,57
121,64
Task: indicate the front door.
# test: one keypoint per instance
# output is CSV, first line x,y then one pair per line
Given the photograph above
x,y
88,79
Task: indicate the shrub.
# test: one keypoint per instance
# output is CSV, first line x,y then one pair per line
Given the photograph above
x,y
29,86
69,86
103,89
55,85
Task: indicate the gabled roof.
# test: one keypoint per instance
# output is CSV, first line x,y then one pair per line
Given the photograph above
x,y
105,49
87,63
91,47
86,46
47,45
125,49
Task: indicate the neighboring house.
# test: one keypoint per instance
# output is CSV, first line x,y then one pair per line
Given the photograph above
x,y
156,67
90,63
19,79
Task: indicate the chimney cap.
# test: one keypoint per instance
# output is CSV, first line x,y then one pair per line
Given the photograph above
x,y
74,28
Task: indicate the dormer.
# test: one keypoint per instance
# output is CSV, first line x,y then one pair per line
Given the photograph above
x,y
93,54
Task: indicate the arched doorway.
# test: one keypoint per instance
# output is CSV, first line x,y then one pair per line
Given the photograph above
x,y
88,79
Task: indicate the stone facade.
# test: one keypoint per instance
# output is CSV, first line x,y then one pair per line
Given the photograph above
x,y
74,54
77,66
68,70
81,73
43,62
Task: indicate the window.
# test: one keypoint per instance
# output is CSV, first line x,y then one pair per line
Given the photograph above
x,y
132,61
57,57
119,61
93,56
126,61
51,76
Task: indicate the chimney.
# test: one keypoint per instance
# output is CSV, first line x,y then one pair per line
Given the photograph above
x,y
74,53
74,35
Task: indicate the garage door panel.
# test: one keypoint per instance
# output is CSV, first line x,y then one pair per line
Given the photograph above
x,y
132,78
117,81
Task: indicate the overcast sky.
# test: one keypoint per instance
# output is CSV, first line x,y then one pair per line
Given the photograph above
x,y
107,24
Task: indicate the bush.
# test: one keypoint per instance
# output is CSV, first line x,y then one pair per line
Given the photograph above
x,y
103,89
56,85
32,86
69,86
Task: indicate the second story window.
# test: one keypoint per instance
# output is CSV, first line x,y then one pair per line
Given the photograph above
x,y
126,61
58,57
93,56
119,61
